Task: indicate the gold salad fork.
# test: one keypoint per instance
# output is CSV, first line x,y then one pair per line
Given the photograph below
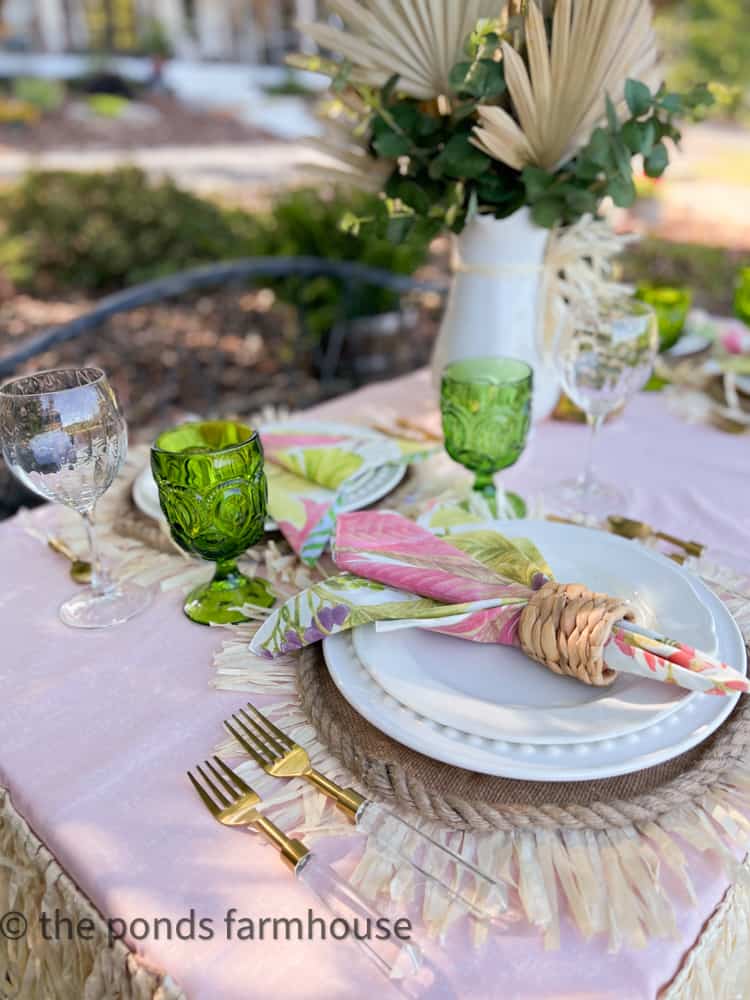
x,y
232,802
452,874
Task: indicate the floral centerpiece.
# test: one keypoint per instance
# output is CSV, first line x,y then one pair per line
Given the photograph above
x,y
503,123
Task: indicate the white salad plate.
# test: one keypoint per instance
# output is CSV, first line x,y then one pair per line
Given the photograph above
x,y
365,489
491,709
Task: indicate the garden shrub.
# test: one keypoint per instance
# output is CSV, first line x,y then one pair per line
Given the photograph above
x,y
98,232
92,233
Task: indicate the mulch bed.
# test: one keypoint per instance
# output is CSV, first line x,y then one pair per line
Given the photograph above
x,y
179,124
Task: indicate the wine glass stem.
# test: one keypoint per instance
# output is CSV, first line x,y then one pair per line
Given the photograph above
x,y
100,579
485,484
225,569
587,479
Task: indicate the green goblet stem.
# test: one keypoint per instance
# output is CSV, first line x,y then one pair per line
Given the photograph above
x,y
485,486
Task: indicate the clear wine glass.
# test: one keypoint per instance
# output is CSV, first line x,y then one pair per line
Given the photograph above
x,y
604,356
63,436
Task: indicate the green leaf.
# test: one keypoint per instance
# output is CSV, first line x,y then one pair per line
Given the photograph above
x,y
461,159
581,201
587,171
484,78
598,149
390,145
632,136
548,212
399,228
648,137
657,161
613,118
639,98
410,193
495,188
537,182
458,75
622,158
622,192
672,103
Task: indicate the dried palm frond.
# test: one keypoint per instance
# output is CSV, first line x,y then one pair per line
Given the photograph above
x,y
580,268
559,98
419,41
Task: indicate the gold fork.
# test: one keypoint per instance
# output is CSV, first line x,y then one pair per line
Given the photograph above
x,y
232,802
640,531
281,757
633,530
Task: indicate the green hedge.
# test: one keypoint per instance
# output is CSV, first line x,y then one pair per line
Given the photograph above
x,y
92,233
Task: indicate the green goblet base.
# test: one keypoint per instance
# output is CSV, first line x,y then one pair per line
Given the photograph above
x,y
220,602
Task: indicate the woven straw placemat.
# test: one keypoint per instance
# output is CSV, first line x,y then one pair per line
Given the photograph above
x,y
464,800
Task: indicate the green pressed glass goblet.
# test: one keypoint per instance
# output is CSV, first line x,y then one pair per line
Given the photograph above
x,y
672,307
214,494
742,296
486,407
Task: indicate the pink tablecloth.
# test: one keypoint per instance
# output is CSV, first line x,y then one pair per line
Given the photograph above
x,y
97,731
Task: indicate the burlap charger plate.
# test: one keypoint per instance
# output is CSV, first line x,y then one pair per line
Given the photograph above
x,y
465,800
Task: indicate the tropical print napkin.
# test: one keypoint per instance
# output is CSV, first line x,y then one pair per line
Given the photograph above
x,y
310,471
473,585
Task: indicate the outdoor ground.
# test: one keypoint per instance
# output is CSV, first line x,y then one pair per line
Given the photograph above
x,y
156,122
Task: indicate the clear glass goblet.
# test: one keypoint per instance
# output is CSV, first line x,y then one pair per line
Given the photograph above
x,y
63,436
604,356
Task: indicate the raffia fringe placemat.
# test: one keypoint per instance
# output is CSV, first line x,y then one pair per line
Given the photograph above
x,y
465,800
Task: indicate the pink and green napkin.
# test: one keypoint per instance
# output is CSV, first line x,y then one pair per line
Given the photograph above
x,y
474,586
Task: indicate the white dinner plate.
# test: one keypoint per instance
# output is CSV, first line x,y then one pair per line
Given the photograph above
x,y
499,690
364,490
673,729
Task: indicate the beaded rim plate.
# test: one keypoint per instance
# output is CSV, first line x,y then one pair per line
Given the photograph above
x,y
365,490
691,722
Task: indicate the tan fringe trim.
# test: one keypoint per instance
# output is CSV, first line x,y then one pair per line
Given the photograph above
x,y
32,883
718,967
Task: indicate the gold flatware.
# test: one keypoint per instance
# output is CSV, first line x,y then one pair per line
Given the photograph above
x,y
278,755
80,569
403,433
634,531
416,428
233,803
628,528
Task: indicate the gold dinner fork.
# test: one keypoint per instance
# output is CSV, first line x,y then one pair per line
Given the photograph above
x,y
281,757
232,802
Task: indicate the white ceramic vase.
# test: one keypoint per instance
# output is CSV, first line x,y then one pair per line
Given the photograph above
x,y
496,304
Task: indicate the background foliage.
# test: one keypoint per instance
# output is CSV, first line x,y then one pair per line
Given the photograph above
x,y
92,233
709,40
